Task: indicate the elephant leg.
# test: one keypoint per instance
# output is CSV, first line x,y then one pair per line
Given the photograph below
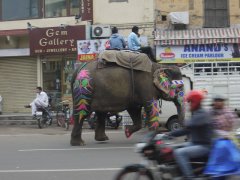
x,y
100,127
135,114
76,135
152,112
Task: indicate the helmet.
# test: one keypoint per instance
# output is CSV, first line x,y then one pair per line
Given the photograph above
x,y
219,98
195,95
195,98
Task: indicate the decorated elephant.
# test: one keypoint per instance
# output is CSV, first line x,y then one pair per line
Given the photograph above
x,y
118,81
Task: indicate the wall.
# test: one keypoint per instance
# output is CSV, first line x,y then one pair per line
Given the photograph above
x,y
133,11
125,15
48,22
196,11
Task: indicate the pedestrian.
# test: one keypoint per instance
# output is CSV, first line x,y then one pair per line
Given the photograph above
x,y
116,40
135,45
41,100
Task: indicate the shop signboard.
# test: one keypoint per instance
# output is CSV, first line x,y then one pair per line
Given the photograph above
x,y
87,10
198,53
55,40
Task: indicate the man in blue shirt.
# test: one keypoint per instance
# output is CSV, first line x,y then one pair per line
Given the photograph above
x,y
133,39
135,45
116,40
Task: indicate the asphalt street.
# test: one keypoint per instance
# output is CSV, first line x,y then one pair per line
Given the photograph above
x,y
28,153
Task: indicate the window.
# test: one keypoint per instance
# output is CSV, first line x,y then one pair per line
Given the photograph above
x,y
26,9
61,8
216,14
32,9
56,8
191,5
74,7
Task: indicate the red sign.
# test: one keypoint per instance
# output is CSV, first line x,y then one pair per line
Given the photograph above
x,y
87,10
14,32
55,40
86,57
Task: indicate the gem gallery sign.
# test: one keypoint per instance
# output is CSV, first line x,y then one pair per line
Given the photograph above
x,y
55,40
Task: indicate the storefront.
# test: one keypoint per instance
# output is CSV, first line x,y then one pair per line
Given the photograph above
x,y
200,45
56,49
18,77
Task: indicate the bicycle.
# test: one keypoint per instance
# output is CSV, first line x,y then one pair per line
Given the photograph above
x,y
63,114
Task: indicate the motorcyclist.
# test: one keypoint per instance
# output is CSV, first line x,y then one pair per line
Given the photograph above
x,y
224,119
200,132
41,101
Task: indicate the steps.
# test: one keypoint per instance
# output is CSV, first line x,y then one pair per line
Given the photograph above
x,y
17,119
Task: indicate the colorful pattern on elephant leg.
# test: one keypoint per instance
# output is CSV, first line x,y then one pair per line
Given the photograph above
x,y
180,99
82,93
153,110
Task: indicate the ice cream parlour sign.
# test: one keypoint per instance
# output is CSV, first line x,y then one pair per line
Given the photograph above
x,y
55,40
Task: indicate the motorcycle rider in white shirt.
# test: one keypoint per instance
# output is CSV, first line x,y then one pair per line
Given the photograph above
x,y
41,100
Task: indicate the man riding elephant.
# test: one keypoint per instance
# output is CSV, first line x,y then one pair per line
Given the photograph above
x,y
112,84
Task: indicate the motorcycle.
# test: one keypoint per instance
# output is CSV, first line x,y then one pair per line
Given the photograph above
x,y
159,163
111,120
43,117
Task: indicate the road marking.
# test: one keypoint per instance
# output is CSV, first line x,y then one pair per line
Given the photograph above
x,y
60,170
57,133
76,149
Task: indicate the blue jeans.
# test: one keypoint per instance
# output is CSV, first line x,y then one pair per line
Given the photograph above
x,y
184,154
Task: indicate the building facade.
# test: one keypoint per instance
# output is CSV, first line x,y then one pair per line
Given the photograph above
x,y
38,46
197,31
38,42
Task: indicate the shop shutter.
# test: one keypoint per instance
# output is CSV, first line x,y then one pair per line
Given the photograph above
x,y
18,79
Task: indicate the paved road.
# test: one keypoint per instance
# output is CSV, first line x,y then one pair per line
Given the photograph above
x,y
28,153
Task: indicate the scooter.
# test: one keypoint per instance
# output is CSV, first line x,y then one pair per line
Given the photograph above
x,y
159,163
111,120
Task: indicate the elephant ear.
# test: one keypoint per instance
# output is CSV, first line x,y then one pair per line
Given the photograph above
x,y
165,83
162,81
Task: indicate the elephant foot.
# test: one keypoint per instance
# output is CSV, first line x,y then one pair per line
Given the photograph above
x,y
101,138
128,132
77,142
154,126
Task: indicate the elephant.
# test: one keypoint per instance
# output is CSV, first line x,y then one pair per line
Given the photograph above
x,y
114,88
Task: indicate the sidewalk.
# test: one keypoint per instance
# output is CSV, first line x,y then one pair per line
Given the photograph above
x,y
16,119
6,130
25,119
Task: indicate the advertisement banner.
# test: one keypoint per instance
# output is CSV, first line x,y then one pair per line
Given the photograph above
x,y
198,53
89,49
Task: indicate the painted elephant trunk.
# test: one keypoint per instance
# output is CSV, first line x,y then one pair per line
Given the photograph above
x,y
179,103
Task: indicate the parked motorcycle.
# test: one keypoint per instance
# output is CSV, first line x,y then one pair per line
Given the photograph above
x,y
112,120
159,162
43,117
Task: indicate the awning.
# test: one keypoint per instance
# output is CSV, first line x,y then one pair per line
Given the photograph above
x,y
15,32
197,36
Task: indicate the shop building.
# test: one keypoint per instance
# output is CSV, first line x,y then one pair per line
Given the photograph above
x,y
38,47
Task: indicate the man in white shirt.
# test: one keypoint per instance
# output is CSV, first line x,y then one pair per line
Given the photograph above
x,y
135,45
41,100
